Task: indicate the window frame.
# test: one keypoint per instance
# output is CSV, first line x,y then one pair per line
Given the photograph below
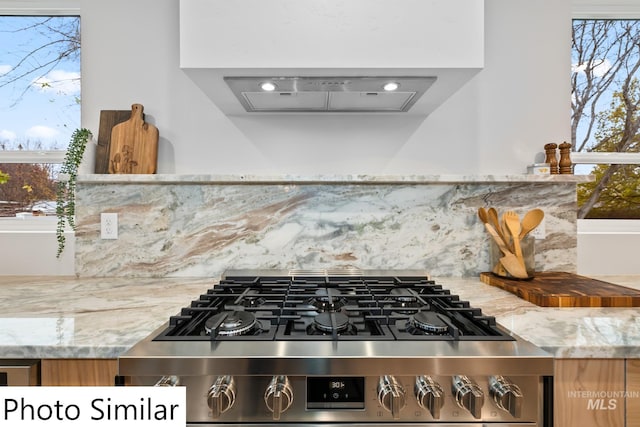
x,y
623,9
40,7
37,8
588,9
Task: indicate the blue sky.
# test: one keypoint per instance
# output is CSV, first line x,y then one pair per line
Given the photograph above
x,y
46,115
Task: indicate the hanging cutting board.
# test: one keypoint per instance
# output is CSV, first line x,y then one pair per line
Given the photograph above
x,y
560,289
134,145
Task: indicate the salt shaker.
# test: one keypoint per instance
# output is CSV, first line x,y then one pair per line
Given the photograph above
x,y
550,151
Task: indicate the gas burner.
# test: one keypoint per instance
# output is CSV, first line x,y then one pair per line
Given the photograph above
x,y
406,302
426,322
252,302
327,303
230,323
403,295
324,324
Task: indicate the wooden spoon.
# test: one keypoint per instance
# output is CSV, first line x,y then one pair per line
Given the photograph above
x,y
482,214
513,224
531,220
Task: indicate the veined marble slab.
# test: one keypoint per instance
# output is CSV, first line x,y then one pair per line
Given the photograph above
x,y
326,179
64,317
581,332
194,230
42,317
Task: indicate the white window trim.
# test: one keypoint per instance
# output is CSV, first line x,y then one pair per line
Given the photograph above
x,y
39,7
31,156
605,9
612,158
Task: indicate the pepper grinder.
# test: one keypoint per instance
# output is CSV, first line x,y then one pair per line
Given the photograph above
x,y
550,151
565,165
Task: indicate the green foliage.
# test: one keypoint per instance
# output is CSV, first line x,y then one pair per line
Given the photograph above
x,y
66,187
27,184
620,197
3,177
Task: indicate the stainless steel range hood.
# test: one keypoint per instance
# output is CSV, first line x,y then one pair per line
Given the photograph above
x,y
331,56
328,94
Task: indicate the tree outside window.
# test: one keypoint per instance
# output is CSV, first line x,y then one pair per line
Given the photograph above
x,y
39,103
605,108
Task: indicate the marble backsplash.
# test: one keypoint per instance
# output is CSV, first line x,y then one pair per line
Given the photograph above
x,y
199,229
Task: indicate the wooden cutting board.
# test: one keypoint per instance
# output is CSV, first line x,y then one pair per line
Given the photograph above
x,y
560,289
108,119
134,145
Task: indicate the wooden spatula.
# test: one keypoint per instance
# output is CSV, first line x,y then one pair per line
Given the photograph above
x,y
513,224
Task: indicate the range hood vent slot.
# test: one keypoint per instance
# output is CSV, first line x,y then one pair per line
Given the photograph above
x,y
329,94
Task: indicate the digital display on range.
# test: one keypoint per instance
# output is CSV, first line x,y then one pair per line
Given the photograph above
x,y
335,392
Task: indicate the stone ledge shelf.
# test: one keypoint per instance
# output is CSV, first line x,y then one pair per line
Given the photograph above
x,y
328,179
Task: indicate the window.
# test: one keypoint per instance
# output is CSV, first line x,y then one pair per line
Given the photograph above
x,y
605,119
39,101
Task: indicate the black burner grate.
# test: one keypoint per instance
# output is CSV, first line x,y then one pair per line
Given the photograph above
x,y
331,308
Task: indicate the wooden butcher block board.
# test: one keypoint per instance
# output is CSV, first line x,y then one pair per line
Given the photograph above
x,y
134,145
108,119
560,289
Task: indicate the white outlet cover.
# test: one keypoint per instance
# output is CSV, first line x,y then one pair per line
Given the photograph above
x,y
108,225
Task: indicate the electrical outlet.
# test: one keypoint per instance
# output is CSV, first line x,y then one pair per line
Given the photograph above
x,y
540,232
108,225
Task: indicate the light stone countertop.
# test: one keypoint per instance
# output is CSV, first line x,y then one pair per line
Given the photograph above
x,y
326,179
67,317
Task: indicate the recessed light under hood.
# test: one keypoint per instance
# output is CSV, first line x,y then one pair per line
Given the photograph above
x,y
329,94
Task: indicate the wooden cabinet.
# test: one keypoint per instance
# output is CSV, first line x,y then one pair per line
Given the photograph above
x,y
633,392
78,372
589,393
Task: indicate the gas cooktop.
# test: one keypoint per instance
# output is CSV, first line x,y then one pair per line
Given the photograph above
x,y
329,305
337,348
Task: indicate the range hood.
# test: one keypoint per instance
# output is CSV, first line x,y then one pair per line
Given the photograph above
x,y
331,56
328,94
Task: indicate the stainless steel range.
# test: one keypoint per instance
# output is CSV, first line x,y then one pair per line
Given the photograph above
x,y
337,348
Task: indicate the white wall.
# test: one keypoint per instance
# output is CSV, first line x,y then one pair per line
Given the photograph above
x,y
608,247
497,123
28,247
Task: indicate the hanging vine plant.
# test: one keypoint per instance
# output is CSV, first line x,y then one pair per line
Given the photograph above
x,y
66,186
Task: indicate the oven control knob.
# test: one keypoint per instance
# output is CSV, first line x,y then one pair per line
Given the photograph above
x,y
168,381
221,395
391,395
468,395
506,395
430,395
279,395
